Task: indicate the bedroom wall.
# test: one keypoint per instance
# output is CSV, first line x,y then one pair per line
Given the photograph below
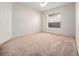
x,y
26,20
77,25
5,21
67,20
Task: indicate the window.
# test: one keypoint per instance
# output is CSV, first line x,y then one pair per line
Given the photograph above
x,y
54,24
54,20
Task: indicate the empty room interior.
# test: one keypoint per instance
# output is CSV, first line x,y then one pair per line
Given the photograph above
x,y
39,29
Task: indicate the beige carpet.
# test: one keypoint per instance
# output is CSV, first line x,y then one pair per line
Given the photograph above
x,y
39,44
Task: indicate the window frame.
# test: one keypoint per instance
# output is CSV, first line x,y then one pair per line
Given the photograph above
x,y
53,21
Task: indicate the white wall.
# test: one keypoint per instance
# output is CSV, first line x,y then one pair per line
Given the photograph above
x,y
67,21
77,25
5,21
25,20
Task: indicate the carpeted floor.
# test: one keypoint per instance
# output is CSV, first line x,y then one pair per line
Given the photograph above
x,y
40,44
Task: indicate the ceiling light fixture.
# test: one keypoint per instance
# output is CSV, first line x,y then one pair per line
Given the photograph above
x,y
43,4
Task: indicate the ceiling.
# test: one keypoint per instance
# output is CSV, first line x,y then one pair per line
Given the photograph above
x,y
50,5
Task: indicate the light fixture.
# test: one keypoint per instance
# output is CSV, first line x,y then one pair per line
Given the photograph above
x,y
43,4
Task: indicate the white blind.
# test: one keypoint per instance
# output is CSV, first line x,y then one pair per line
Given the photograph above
x,y
54,17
